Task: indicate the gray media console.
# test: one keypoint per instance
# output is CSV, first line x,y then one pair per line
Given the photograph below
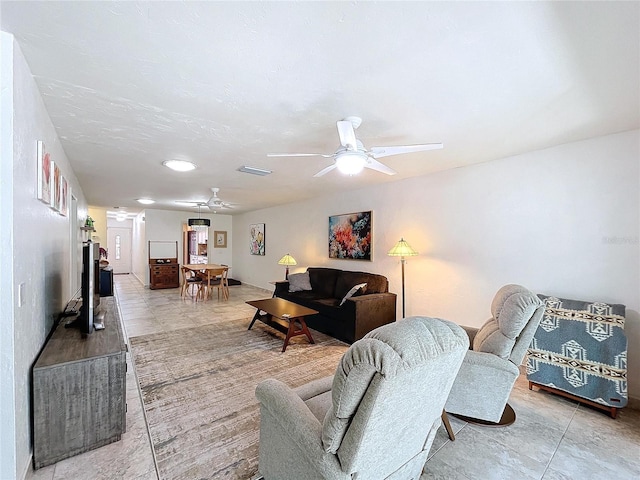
x,y
79,390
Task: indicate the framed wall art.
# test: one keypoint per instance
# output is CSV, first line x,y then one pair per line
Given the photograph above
x,y
257,243
350,236
219,239
44,174
55,187
64,195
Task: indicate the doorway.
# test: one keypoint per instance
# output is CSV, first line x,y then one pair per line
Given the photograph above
x,y
119,245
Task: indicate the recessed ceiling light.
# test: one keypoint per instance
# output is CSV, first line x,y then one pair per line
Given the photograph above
x,y
179,165
146,201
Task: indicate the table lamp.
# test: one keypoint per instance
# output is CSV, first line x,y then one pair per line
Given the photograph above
x,y
402,249
287,260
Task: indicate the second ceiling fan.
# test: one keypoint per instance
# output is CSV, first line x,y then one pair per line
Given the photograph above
x,y
214,203
351,157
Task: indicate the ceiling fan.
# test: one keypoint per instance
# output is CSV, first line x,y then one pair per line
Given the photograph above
x,y
351,157
215,203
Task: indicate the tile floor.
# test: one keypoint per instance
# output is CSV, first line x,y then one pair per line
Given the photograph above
x,y
552,439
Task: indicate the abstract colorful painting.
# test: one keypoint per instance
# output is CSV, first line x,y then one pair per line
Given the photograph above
x,y
44,174
257,239
350,236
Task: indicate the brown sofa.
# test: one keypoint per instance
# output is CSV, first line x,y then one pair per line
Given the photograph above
x,y
357,316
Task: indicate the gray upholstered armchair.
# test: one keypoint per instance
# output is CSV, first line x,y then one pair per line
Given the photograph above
x,y
375,418
490,368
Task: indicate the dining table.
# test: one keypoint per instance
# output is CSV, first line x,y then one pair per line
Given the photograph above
x,y
201,267
212,271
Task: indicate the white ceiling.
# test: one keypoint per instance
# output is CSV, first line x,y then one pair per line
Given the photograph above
x,y
130,84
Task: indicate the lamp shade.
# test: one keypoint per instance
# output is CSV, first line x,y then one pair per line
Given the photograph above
x,y
287,260
402,249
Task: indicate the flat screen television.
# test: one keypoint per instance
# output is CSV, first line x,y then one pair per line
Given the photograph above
x,y
90,316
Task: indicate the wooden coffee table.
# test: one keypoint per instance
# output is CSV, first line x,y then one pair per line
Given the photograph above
x,y
282,315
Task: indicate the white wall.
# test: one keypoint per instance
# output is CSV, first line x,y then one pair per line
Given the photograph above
x,y
166,225
39,244
562,221
139,260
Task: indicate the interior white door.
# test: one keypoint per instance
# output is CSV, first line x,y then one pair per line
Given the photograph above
x,y
119,245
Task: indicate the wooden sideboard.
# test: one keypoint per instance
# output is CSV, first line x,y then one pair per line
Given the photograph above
x,y
79,390
164,270
164,275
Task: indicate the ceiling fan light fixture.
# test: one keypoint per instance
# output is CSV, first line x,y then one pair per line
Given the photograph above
x,y
179,165
350,163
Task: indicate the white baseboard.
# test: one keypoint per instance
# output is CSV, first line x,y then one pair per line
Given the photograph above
x,y
28,469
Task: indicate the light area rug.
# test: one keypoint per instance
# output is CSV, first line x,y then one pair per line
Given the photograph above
x,y
198,390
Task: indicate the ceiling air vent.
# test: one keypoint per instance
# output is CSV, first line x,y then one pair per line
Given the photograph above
x,y
254,170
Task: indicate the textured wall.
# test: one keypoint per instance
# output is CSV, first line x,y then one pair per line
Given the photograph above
x,y
7,322
561,221
99,216
139,260
41,250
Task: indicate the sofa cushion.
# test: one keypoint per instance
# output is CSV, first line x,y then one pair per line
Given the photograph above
x,y
304,296
299,282
346,280
355,290
323,281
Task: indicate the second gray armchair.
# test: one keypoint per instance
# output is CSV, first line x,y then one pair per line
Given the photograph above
x,y
375,419
490,369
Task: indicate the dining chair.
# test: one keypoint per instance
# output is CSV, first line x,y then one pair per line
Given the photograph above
x,y
190,279
224,284
205,286
214,278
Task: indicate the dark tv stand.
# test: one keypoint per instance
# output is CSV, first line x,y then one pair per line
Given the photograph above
x,y
79,390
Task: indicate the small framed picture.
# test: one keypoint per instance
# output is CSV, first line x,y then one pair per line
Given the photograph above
x,y
219,239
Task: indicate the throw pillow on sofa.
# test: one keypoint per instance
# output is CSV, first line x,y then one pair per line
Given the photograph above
x,y
355,290
299,282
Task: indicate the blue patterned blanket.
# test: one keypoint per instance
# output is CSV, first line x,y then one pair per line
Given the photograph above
x,y
581,348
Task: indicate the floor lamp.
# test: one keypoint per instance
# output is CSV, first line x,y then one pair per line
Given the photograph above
x,y
287,260
402,249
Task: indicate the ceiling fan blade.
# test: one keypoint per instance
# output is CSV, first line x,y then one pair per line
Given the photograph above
x,y
299,155
325,170
379,167
347,135
379,152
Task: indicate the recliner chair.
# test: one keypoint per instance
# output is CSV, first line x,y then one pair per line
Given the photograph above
x,y
376,418
490,369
